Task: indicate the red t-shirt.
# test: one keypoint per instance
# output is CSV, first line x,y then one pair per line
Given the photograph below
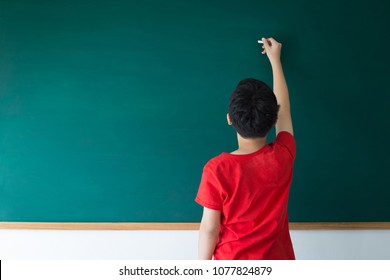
x,y
251,191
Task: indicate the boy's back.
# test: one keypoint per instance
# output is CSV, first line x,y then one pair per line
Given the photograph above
x,y
252,192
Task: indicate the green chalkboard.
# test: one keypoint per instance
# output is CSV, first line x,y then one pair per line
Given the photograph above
x,y
110,109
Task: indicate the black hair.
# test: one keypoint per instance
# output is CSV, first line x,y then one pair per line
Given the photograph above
x,y
253,108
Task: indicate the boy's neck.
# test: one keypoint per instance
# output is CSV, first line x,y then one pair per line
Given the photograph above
x,y
249,145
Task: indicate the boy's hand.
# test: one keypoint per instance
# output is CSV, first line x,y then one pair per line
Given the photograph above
x,y
272,48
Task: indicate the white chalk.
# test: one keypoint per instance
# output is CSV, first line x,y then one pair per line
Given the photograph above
x,y
259,41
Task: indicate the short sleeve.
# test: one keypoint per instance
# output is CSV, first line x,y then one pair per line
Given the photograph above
x,y
286,139
210,191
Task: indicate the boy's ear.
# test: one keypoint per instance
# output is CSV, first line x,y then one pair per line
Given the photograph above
x,y
228,119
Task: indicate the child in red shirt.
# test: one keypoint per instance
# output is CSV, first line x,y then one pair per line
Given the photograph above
x,y
245,193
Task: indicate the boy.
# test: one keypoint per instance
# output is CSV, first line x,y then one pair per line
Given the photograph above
x,y
245,193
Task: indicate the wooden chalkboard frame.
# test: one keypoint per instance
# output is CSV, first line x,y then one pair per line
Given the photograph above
x,y
183,226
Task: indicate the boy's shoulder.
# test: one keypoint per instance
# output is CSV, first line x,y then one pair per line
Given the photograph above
x,y
215,161
218,162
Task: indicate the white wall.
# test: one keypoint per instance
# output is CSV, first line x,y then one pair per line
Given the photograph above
x,y
175,244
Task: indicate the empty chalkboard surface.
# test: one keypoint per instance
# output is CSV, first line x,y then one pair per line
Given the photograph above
x,y
110,109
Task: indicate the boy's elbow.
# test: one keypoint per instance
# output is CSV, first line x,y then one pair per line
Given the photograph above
x,y
211,222
210,229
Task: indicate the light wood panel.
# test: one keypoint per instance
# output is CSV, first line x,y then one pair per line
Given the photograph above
x,y
182,226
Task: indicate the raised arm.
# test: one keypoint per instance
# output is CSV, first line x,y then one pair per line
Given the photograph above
x,y
272,48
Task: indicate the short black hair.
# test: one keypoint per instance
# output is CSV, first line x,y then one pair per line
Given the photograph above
x,y
253,108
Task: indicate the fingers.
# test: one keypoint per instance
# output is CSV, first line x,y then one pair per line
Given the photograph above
x,y
270,42
263,52
266,43
274,42
270,46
